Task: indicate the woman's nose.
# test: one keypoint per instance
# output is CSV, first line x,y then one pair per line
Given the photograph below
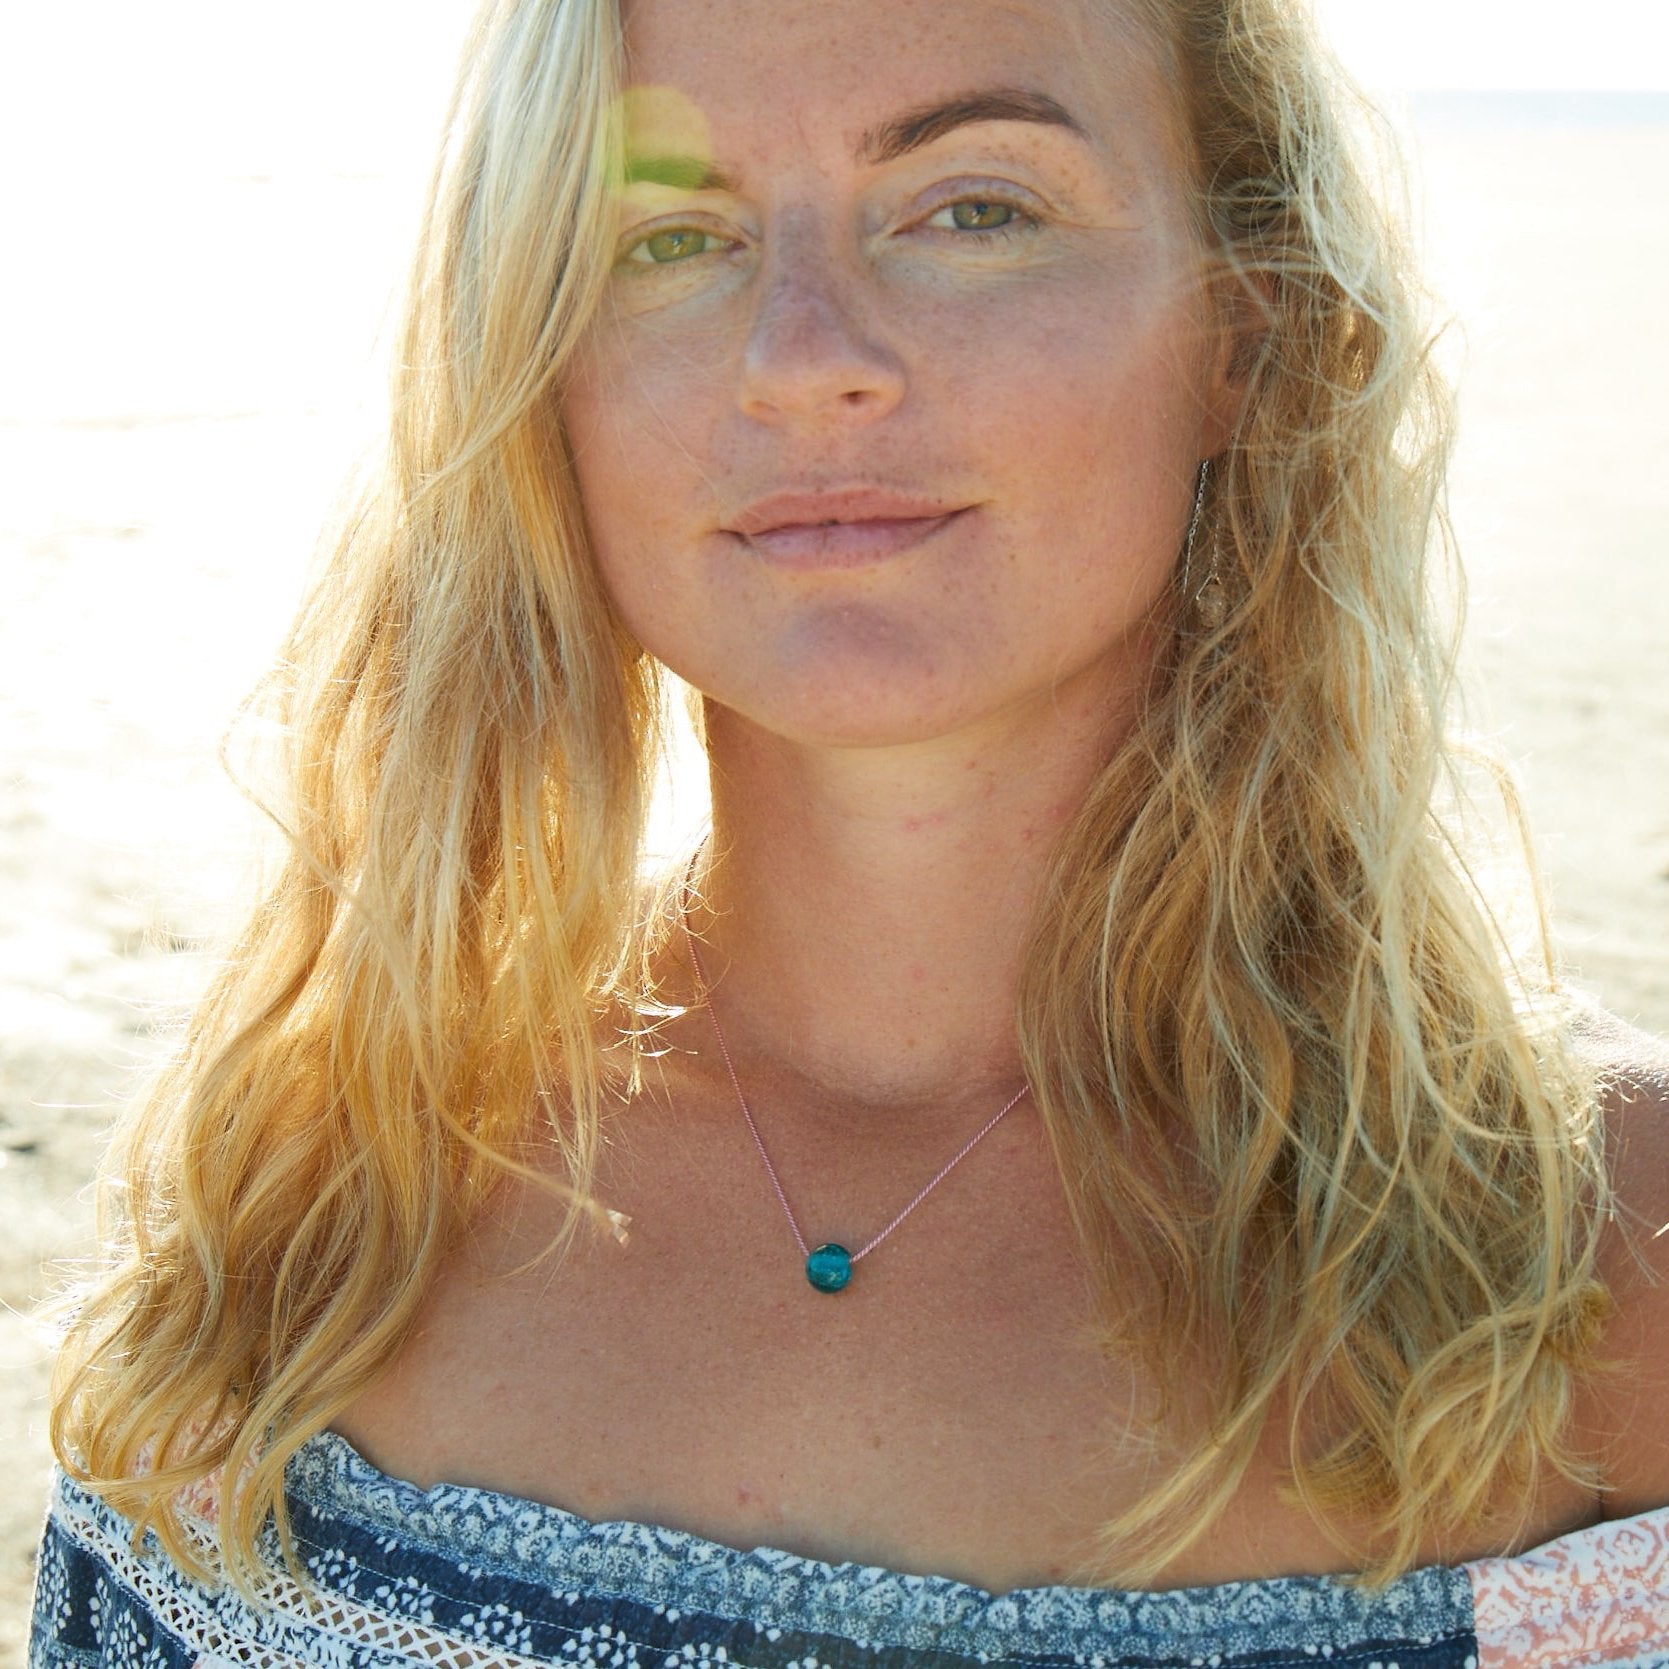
x,y
811,353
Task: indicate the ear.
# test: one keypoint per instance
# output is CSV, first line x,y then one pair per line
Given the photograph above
x,y
1241,317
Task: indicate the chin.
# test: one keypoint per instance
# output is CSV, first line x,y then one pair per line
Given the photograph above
x,y
846,678
837,723
848,713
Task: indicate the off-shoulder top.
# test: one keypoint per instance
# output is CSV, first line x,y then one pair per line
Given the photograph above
x,y
466,1578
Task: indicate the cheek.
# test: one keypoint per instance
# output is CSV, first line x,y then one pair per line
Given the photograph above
x,y
1095,440
1090,413
630,437
633,378
648,464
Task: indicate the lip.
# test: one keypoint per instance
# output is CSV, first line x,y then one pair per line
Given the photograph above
x,y
847,504
840,529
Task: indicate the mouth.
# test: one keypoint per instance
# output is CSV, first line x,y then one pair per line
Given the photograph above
x,y
834,544
840,529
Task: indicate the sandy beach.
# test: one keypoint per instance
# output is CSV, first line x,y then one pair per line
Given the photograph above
x,y
171,445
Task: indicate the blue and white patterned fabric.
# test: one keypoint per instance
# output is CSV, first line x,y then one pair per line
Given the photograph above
x,y
466,1578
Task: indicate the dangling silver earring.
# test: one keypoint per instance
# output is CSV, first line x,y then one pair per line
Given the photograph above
x,y
1210,602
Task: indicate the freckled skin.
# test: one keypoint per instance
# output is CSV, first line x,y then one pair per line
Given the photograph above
x,y
835,322
833,329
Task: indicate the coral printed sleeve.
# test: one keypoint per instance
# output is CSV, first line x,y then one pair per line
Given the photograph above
x,y
1598,1597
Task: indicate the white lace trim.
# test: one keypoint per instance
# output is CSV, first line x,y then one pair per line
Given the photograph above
x,y
296,1628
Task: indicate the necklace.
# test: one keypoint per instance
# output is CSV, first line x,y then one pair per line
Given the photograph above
x,y
829,1266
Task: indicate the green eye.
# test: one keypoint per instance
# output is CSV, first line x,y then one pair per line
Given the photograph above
x,y
679,243
976,214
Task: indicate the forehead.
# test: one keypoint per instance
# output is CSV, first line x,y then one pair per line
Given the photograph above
x,y
720,79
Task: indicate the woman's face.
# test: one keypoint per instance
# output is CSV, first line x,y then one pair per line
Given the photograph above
x,y
926,269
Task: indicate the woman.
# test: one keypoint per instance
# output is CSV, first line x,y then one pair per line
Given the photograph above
x,y
1079,1128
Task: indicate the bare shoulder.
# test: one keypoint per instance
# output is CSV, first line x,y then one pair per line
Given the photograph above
x,y
1631,1400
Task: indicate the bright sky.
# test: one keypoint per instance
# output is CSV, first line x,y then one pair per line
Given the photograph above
x,y
1404,44
357,85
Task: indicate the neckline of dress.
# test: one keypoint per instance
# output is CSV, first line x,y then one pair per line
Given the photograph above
x,y
354,1475
663,1567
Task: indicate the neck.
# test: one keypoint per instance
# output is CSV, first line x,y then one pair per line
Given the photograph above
x,y
864,914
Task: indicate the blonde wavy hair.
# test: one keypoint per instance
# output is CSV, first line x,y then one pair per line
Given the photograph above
x,y
1266,1013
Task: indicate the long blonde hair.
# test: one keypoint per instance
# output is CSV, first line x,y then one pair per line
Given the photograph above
x,y
1265,1013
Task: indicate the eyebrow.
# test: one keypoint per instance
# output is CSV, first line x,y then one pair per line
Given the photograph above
x,y
888,142
928,122
682,173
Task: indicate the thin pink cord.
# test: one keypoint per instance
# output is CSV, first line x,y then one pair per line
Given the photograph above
x,y
742,1100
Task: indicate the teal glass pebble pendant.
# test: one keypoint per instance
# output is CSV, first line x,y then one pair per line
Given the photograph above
x,y
829,1268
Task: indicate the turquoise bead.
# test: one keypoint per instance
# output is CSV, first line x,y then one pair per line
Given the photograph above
x,y
829,1268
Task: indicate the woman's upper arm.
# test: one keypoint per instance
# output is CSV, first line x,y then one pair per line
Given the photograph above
x,y
1627,1403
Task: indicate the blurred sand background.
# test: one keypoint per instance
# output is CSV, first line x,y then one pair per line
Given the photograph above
x,y
190,369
